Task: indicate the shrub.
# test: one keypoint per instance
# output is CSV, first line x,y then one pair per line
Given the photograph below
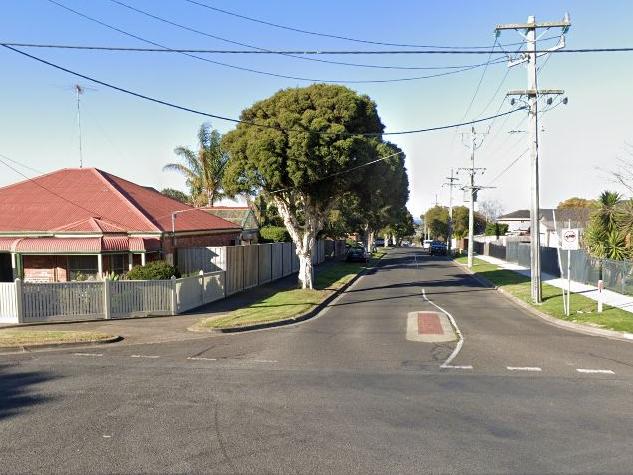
x,y
274,234
155,270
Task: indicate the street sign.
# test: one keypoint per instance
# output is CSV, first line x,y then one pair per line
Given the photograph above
x,y
570,239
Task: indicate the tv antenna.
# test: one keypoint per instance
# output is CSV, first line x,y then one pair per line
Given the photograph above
x,y
79,91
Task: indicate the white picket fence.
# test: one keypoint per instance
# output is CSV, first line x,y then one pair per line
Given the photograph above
x,y
225,271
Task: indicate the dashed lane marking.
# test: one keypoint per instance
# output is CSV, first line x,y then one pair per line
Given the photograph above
x,y
595,371
265,361
524,368
145,356
88,354
456,366
201,358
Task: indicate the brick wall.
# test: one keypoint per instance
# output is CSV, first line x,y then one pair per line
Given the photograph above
x,y
45,268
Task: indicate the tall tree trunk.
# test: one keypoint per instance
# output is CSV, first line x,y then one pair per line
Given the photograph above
x,y
370,239
386,244
210,198
304,237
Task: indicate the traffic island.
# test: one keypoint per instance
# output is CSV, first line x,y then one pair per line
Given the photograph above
x,y
19,339
289,306
612,322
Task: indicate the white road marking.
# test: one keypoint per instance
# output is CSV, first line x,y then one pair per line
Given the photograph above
x,y
201,358
88,354
595,371
266,361
456,366
144,356
107,436
524,368
460,343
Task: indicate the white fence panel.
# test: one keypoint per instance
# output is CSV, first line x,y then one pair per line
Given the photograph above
x,y
140,297
62,301
8,303
188,293
192,292
213,287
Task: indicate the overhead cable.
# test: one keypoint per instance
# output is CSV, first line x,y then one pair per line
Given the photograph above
x,y
251,70
230,119
338,37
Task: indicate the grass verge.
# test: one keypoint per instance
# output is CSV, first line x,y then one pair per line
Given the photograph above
x,y
290,303
583,309
20,337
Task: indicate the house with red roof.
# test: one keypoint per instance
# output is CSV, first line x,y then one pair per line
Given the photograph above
x,y
243,216
78,223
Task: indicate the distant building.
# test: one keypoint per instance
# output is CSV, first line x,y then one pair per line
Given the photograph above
x,y
80,223
519,222
243,216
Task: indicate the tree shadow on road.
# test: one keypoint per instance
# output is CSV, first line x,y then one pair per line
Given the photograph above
x,y
18,392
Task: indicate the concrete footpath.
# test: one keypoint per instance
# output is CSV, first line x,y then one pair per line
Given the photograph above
x,y
609,297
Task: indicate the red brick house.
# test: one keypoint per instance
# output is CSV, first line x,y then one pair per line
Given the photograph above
x,y
83,222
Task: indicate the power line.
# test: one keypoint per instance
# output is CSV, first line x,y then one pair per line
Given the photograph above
x,y
238,121
221,51
339,173
338,37
21,164
36,182
255,47
251,70
509,166
481,78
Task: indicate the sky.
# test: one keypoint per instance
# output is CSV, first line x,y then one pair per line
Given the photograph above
x,y
129,137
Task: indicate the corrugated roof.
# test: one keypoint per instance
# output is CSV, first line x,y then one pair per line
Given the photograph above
x,y
68,197
56,245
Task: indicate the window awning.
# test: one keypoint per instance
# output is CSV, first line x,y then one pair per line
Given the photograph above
x,y
88,245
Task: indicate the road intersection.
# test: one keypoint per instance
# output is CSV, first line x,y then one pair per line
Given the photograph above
x,y
345,391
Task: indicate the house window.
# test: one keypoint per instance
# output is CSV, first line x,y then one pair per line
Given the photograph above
x,y
83,267
119,263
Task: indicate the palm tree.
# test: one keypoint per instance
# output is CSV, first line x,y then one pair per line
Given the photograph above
x,y
203,168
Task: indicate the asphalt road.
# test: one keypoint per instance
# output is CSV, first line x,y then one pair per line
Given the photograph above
x,y
344,392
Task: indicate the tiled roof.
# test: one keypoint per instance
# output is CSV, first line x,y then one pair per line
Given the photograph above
x,y
89,200
240,215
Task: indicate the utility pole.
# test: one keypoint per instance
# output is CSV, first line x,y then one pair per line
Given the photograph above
x,y
451,184
473,145
533,93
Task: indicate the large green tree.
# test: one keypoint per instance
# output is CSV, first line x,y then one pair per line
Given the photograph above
x,y
297,148
203,168
436,219
575,202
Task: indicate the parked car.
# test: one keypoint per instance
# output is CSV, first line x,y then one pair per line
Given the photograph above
x,y
379,242
356,254
438,248
426,245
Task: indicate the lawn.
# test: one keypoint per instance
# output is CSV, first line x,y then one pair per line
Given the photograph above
x,y
290,303
22,337
583,309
